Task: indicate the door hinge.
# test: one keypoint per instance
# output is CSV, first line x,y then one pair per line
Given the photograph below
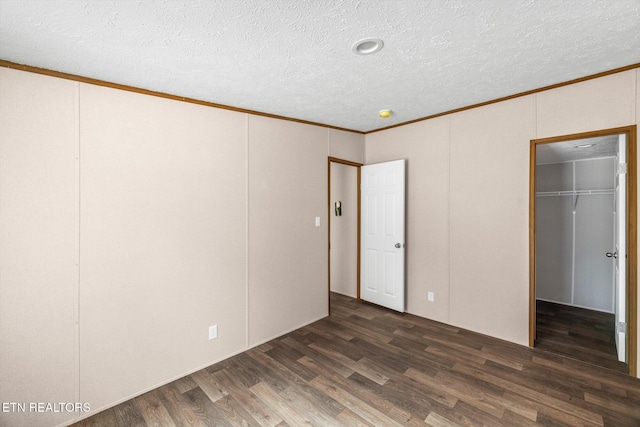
x,y
622,168
622,327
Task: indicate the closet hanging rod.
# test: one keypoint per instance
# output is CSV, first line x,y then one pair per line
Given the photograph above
x,y
575,193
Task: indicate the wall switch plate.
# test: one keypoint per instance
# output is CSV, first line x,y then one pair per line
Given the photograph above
x,y
317,221
430,297
213,332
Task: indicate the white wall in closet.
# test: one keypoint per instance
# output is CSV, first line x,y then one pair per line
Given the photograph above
x,y
574,231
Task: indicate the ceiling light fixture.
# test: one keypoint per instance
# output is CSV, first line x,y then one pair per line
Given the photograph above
x,y
584,146
384,114
367,46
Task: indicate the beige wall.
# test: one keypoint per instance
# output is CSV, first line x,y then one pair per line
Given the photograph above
x,y
287,252
346,145
425,145
484,169
39,236
130,224
162,238
344,229
489,219
602,103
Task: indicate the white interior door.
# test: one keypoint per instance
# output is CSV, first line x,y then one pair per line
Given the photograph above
x,y
620,253
383,240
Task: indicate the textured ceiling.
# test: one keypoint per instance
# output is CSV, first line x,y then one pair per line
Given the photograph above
x,y
566,151
293,58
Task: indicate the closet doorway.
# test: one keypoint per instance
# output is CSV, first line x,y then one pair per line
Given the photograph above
x,y
344,228
583,298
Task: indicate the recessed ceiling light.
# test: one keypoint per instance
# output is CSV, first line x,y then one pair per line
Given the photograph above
x,y
367,46
384,114
584,146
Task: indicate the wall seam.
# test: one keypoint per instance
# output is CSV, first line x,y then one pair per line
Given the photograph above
x,y
573,233
77,290
449,215
247,238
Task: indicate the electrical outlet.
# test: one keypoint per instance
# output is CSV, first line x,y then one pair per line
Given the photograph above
x,y
213,332
430,297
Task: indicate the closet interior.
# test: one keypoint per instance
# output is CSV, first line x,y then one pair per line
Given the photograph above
x,y
580,292
575,221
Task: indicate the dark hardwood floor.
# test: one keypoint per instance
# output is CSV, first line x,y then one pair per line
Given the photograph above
x,y
583,334
368,366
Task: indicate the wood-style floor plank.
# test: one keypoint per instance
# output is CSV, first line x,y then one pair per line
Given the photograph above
x,y
153,410
580,333
368,366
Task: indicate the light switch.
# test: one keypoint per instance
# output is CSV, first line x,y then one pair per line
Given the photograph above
x,y
317,221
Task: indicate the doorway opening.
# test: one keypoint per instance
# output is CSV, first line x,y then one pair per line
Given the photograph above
x,y
583,247
344,228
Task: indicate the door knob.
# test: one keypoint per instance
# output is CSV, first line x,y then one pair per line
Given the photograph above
x,y
398,245
614,255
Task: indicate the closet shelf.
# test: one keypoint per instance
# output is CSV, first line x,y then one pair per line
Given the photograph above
x,y
575,193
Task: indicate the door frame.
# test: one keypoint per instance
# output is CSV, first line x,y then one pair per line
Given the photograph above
x,y
632,219
329,210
